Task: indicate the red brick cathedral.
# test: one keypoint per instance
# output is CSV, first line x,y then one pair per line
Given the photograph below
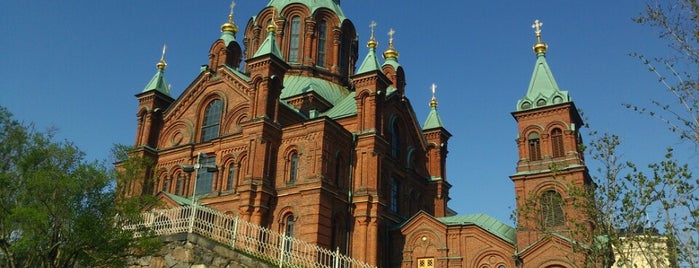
x,y
299,139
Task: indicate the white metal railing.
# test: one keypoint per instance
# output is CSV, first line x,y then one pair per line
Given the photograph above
x,y
243,236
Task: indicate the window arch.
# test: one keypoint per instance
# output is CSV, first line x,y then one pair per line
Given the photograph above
x,y
534,146
231,181
552,209
557,142
294,39
293,167
212,120
322,37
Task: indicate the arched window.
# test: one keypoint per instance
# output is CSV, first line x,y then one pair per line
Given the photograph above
x,y
230,183
534,146
288,232
293,166
557,142
395,140
166,183
178,185
551,209
212,120
294,39
322,36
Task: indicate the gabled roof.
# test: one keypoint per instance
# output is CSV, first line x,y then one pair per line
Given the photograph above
x,y
343,108
295,85
490,224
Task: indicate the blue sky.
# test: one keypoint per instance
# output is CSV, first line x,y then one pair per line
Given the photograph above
x,y
76,65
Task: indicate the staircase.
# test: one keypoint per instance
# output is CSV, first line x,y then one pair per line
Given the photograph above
x,y
242,236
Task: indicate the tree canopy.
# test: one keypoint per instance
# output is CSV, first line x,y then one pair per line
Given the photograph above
x,y
56,208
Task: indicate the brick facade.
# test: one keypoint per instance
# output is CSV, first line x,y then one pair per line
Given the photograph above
x,y
303,144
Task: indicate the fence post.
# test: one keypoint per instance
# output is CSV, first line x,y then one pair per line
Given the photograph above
x,y
282,248
235,231
191,219
336,260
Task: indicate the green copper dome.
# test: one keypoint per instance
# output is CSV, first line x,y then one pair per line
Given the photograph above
x,y
312,5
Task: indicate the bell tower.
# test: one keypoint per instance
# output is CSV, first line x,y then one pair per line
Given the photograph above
x,y
550,163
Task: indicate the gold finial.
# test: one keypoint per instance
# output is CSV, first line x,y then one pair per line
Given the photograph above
x,y
272,27
539,47
391,52
372,41
161,63
433,102
230,26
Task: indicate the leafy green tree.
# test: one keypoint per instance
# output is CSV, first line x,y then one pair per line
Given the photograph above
x,y
56,208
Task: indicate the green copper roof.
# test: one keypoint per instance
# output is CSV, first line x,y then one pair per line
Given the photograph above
x,y
370,63
543,90
313,5
269,46
158,83
181,200
227,37
344,108
490,224
295,85
433,120
393,62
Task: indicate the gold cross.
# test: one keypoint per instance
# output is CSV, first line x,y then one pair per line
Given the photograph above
x,y
434,88
537,27
372,25
162,56
390,35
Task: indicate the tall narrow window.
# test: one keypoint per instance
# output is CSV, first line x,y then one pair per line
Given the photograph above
x,y
322,36
551,209
394,195
557,142
205,179
288,232
230,183
395,140
338,170
344,55
293,167
534,147
166,183
212,120
295,40
178,185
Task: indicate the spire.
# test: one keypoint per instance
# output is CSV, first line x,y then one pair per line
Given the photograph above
x,y
370,63
229,29
158,83
391,54
543,89
433,120
269,45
